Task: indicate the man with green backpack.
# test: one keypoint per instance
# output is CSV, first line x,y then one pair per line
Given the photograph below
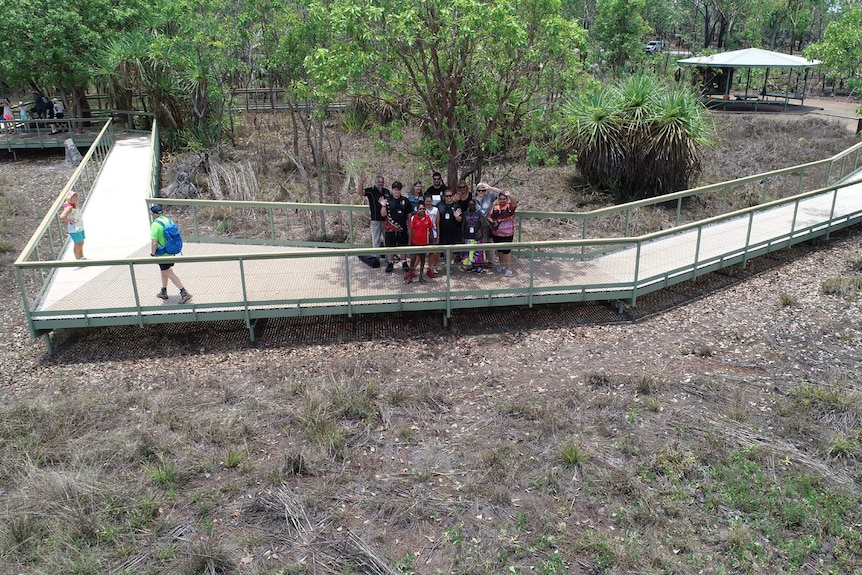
x,y
165,240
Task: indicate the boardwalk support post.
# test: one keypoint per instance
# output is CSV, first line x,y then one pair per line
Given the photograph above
x,y
49,345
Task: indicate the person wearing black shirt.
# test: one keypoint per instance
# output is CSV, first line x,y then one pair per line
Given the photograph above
x,y
449,220
378,221
464,195
436,189
396,209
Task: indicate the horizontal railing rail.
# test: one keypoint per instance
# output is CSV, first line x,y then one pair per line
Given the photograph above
x,y
627,280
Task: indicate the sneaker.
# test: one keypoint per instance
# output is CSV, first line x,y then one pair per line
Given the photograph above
x,y
185,296
431,274
162,294
409,275
479,270
508,274
389,267
499,268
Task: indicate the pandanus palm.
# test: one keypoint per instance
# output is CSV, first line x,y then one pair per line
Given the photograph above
x,y
636,138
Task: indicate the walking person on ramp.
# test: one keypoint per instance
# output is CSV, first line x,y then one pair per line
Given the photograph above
x,y
165,240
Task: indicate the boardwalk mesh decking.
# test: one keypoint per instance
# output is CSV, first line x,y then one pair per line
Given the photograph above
x,y
274,270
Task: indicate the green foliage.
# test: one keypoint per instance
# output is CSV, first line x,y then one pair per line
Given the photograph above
x,y
619,31
473,91
636,138
572,454
841,47
826,400
321,429
164,474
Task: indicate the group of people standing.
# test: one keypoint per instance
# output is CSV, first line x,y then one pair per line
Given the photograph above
x,y
440,215
43,108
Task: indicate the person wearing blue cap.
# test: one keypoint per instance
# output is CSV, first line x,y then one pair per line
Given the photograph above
x,y
157,249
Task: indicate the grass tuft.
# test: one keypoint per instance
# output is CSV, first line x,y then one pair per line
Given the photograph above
x,y
786,299
843,286
572,454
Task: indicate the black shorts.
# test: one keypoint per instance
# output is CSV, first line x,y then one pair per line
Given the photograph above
x,y
450,239
164,267
503,240
394,239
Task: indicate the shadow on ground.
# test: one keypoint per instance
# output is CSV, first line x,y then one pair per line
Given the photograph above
x,y
124,342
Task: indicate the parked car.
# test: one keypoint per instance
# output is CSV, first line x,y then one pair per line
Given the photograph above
x,y
653,46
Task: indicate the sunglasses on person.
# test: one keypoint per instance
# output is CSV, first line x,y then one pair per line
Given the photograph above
x,y
447,195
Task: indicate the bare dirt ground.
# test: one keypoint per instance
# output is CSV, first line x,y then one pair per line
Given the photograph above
x,y
679,437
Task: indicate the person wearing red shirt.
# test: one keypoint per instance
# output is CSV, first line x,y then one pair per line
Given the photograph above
x,y
419,231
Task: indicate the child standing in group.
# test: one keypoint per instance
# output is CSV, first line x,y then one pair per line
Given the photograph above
x,y
431,211
474,224
419,230
25,116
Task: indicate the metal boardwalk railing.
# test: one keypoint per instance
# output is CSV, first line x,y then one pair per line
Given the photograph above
x,y
253,260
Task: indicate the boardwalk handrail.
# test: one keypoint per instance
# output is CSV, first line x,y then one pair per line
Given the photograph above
x,y
84,178
629,282
629,278
612,221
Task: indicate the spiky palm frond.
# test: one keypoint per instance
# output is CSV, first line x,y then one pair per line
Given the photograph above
x,y
680,130
594,128
636,138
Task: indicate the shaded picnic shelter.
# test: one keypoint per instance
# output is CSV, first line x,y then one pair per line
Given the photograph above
x,y
717,72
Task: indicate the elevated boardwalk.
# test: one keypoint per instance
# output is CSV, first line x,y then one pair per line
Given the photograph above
x,y
238,281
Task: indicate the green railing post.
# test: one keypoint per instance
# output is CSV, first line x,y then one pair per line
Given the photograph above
x,y
637,270
271,213
532,284
347,285
748,239
678,211
22,289
793,223
831,212
136,295
697,249
244,293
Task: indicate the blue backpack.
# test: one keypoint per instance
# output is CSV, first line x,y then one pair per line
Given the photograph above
x,y
173,239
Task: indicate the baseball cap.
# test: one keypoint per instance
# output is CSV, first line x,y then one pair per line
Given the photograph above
x,y
71,193
156,208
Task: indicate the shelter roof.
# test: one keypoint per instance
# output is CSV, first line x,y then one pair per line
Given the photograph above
x,y
749,58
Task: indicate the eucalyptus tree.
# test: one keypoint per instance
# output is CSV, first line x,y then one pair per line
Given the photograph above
x,y
636,138
469,72
841,48
619,31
